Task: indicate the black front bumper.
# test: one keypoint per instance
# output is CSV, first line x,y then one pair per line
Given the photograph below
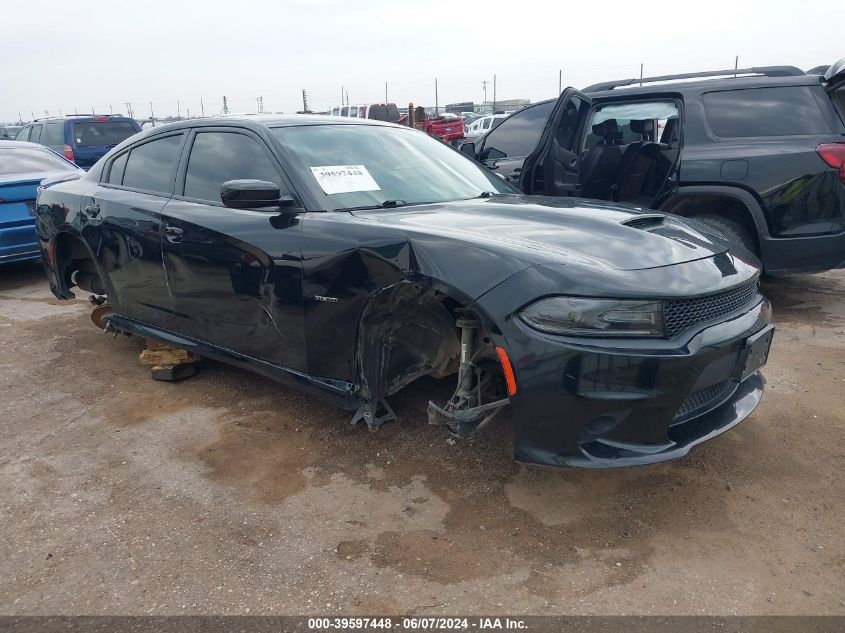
x,y
614,404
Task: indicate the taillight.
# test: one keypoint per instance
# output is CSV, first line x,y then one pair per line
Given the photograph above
x,y
69,153
834,155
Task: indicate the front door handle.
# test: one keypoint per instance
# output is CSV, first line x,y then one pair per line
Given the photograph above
x,y
173,234
91,211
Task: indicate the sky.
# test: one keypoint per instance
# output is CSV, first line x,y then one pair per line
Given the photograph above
x,y
164,56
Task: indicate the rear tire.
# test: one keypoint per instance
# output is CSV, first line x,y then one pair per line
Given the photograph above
x,y
732,230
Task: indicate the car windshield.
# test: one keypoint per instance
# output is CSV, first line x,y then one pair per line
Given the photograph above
x,y
371,165
101,133
28,160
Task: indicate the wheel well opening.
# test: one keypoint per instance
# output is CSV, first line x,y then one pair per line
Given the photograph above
x,y
725,207
75,267
409,331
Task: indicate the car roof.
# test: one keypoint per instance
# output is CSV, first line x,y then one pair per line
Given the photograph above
x,y
81,117
267,121
709,85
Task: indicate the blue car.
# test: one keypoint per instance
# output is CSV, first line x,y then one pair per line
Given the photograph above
x,y
82,139
22,167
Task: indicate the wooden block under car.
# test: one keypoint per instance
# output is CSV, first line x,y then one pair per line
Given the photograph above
x,y
173,372
168,362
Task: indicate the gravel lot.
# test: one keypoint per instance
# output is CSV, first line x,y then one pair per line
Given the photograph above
x,y
228,493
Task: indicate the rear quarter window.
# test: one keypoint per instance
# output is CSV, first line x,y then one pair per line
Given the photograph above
x,y
54,134
151,166
784,111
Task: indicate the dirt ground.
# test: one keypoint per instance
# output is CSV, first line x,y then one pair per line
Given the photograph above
x,y
228,493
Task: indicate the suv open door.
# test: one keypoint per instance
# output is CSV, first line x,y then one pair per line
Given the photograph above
x,y
552,168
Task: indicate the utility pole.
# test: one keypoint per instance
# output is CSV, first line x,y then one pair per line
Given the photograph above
x,y
202,108
225,106
46,114
111,110
560,81
305,108
259,103
347,97
342,93
385,92
494,94
436,99
178,110
484,87
152,114
128,109
736,65
641,74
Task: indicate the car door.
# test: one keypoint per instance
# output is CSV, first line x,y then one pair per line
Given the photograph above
x,y
552,169
234,274
122,218
506,146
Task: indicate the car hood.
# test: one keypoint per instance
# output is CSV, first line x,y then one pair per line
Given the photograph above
x,y
539,230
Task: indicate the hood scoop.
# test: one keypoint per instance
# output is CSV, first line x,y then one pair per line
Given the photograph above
x,y
645,221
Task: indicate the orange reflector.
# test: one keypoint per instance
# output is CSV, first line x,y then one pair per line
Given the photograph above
x,y
510,379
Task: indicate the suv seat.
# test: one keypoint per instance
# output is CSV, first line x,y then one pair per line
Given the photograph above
x,y
600,165
637,162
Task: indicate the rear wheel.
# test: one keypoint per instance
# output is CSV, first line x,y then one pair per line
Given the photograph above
x,y
732,230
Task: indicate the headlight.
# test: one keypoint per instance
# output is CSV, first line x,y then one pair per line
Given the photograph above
x,y
595,317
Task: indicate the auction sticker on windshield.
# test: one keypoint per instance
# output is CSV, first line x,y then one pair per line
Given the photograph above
x,y
344,178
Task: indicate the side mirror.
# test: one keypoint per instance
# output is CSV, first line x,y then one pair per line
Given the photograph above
x,y
468,148
252,194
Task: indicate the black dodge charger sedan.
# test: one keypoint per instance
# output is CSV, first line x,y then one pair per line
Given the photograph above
x,y
348,258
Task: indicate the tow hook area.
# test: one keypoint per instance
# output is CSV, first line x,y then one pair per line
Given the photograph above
x,y
465,414
465,423
374,414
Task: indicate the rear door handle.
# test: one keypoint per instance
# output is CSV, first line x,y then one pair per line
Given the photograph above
x,y
173,234
91,211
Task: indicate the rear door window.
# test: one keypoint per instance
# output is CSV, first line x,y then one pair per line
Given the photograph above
x,y
35,135
220,156
101,133
783,111
151,166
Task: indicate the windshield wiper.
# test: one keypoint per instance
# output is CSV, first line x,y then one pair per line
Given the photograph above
x,y
387,204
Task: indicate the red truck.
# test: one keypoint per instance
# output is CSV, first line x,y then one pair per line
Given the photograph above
x,y
446,127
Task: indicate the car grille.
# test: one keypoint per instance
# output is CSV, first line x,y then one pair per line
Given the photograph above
x,y
704,397
681,314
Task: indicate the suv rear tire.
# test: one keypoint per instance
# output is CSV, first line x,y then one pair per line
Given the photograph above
x,y
733,230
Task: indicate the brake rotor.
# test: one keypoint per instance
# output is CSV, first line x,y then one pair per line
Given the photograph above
x,y
100,315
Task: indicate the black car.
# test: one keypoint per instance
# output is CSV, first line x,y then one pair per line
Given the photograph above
x,y
350,257
757,153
